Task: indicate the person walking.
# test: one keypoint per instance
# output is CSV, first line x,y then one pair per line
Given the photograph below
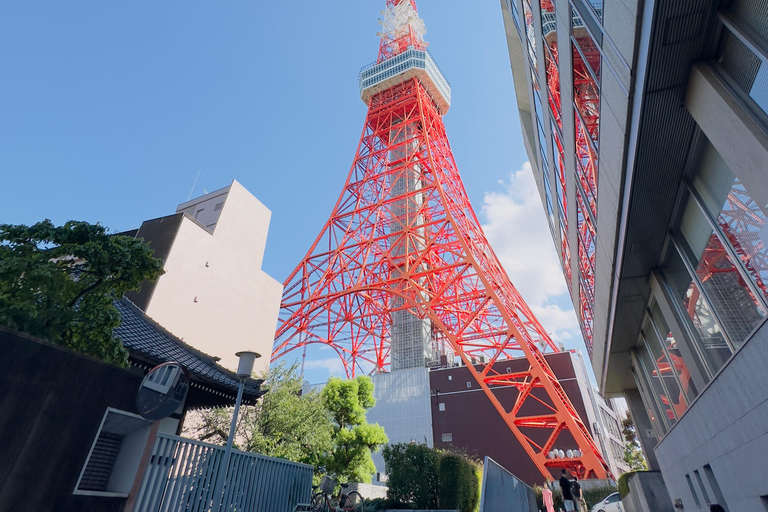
x,y
565,488
578,496
546,496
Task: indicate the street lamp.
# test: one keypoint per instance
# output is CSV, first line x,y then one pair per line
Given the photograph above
x,y
244,370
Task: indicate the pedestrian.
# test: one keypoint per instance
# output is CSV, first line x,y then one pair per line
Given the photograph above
x,y
565,488
546,496
716,508
578,495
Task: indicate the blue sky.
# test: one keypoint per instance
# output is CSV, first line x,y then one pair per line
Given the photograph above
x,y
110,109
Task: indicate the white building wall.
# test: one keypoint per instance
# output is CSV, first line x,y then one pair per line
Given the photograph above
x,y
214,294
724,437
403,408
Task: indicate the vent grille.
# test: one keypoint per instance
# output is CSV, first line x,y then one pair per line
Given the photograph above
x,y
100,463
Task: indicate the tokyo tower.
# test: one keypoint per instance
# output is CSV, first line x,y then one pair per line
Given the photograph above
x,y
402,273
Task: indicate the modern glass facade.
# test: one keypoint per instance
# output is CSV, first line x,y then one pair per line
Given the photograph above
x,y
711,278
653,174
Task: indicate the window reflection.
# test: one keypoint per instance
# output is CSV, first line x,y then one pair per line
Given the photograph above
x,y
676,362
712,344
657,387
737,308
740,218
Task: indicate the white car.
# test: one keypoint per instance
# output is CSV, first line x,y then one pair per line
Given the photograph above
x,y
612,503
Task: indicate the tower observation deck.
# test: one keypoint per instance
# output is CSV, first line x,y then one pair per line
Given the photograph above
x,y
412,63
401,274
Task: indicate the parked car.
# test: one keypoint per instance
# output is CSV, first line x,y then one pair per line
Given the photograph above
x,y
612,503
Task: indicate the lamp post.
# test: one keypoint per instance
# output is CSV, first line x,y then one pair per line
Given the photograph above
x,y
244,370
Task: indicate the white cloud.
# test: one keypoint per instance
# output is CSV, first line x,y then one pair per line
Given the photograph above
x,y
331,365
517,229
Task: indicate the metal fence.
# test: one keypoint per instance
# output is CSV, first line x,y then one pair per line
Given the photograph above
x,y
182,477
504,491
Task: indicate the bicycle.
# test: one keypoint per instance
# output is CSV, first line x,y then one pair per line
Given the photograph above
x,y
323,500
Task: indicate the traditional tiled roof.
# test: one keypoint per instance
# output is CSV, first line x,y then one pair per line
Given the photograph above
x,y
147,340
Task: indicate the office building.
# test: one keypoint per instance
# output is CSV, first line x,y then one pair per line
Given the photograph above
x,y
646,127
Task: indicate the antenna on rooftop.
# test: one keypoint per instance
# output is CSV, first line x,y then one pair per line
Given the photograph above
x,y
193,184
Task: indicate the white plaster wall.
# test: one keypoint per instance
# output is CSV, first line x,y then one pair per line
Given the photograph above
x,y
727,428
214,294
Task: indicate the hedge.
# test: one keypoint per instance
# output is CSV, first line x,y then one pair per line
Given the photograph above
x,y
424,478
624,484
458,488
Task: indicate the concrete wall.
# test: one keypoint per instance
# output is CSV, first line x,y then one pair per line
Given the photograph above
x,y
647,493
214,294
51,406
724,436
501,490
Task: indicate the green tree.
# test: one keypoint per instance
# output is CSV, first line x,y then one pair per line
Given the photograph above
x,y
60,283
354,438
633,453
412,470
284,423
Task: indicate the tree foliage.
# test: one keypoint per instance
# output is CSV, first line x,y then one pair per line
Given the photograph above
x,y
325,428
412,470
633,453
60,283
284,423
428,478
354,438
459,485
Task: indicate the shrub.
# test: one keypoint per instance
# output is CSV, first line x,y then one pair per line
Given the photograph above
x,y
458,483
623,483
412,471
426,478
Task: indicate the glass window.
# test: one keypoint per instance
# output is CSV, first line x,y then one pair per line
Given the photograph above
x,y
530,35
650,406
513,8
737,308
657,387
740,218
675,361
586,305
565,254
560,183
549,32
712,344
587,240
586,99
675,402
747,70
597,8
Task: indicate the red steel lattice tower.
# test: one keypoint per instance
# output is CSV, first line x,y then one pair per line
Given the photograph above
x,y
402,270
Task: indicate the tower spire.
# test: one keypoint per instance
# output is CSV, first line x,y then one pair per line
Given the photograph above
x,y
402,269
402,28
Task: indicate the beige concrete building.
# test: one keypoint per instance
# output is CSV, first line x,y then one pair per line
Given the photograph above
x,y
214,294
